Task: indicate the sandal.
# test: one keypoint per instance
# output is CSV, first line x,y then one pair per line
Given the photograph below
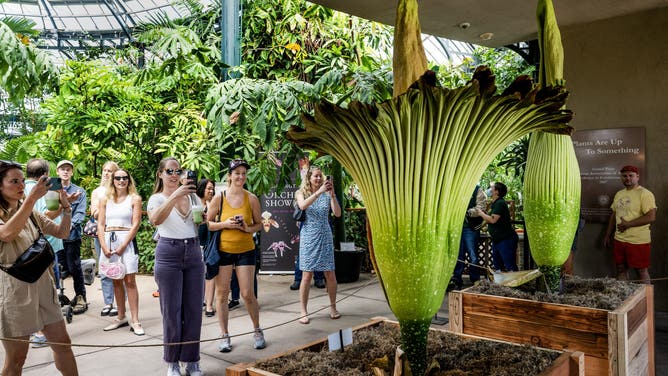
x,y
105,310
304,320
334,314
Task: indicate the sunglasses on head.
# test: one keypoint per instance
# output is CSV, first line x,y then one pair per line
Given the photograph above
x,y
119,178
171,171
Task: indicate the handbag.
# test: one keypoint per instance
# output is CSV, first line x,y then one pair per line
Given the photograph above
x,y
211,252
32,263
299,215
90,228
113,267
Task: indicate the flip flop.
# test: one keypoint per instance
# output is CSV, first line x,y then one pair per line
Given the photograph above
x,y
304,320
334,315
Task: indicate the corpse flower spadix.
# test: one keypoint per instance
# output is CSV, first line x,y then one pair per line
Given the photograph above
x,y
416,159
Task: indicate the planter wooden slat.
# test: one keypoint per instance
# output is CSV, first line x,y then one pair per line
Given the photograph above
x,y
567,364
619,342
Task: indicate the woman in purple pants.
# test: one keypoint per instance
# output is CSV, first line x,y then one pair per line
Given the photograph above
x,y
179,269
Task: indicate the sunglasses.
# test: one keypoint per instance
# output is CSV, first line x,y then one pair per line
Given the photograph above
x,y
170,171
119,178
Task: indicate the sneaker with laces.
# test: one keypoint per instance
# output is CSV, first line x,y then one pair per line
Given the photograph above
x,y
225,344
173,369
38,341
192,369
232,304
260,343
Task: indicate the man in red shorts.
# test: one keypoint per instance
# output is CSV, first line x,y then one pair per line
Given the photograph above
x,y
633,209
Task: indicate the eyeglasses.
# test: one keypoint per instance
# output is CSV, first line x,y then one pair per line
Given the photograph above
x,y
171,171
119,178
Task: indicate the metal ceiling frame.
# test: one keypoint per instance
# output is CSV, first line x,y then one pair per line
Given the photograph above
x,y
68,41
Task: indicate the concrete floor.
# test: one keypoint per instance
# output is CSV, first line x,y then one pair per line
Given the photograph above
x,y
279,308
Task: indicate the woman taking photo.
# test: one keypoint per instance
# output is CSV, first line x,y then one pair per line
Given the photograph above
x,y
316,245
179,269
205,192
239,220
26,308
504,237
98,193
119,218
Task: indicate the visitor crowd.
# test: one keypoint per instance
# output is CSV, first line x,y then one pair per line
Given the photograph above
x,y
184,212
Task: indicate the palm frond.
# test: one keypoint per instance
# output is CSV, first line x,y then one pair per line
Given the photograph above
x,y
20,25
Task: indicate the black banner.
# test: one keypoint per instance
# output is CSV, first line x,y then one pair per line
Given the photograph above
x,y
279,239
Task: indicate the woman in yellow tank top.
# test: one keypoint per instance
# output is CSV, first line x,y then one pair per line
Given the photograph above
x,y
238,220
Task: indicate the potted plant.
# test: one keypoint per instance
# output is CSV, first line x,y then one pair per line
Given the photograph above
x,y
616,341
373,350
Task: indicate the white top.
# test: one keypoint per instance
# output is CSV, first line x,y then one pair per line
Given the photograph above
x,y
119,215
174,226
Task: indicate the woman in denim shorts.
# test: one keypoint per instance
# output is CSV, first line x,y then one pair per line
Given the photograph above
x,y
239,219
179,269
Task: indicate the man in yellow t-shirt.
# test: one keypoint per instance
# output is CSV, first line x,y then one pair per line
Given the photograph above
x,y
633,209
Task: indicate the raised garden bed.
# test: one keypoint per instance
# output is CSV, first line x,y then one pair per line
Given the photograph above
x,y
617,341
380,337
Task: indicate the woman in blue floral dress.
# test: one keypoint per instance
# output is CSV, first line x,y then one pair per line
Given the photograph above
x,y
316,245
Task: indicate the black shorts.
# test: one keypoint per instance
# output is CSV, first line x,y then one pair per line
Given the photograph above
x,y
240,259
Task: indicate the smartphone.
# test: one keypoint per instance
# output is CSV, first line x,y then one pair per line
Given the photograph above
x,y
56,184
192,175
239,218
329,177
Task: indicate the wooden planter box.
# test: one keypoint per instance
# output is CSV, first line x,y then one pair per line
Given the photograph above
x,y
567,364
619,342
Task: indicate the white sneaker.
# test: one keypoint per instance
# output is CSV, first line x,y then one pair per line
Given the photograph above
x,y
225,344
192,369
259,342
173,369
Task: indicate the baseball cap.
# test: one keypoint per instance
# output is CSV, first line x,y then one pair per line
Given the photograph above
x,y
64,162
236,163
630,168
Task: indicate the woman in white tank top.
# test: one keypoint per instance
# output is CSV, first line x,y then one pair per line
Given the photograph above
x,y
118,222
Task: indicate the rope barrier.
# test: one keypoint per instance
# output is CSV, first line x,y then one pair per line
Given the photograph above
x,y
354,293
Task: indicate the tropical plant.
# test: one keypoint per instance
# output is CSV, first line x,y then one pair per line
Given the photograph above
x,y
24,69
416,158
552,183
294,53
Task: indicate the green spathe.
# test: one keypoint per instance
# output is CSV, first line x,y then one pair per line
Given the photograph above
x,y
552,178
416,159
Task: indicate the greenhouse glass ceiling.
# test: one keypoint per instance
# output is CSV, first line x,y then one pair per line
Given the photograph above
x,y
83,24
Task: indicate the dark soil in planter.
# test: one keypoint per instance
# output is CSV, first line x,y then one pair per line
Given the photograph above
x,y
455,355
601,293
